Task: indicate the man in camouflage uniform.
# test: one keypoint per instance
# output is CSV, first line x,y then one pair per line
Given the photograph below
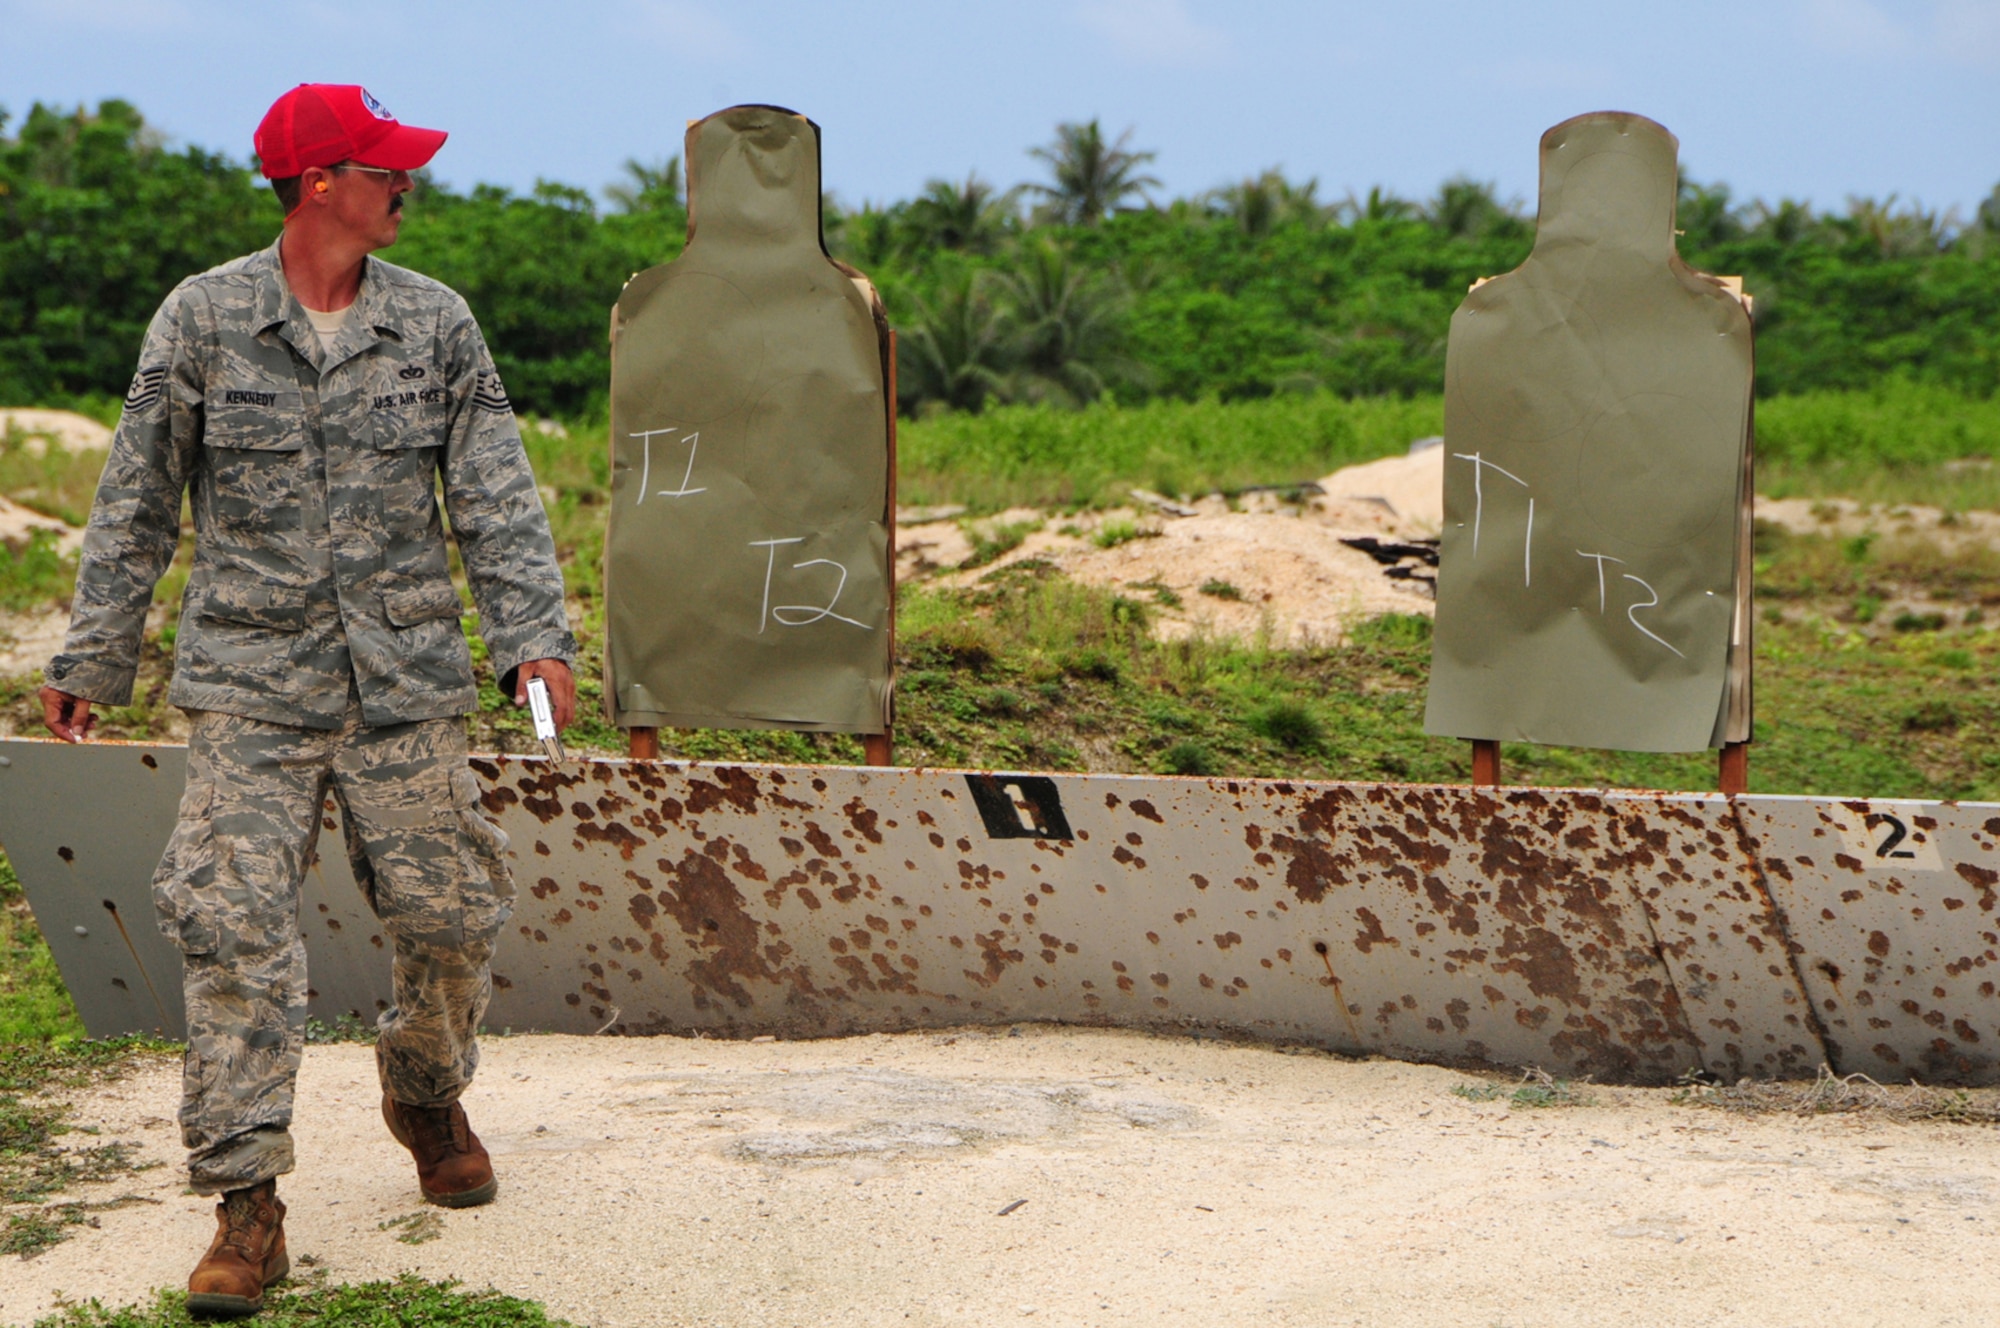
x,y
309,398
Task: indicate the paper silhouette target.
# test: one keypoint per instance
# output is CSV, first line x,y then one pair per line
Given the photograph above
x,y
1593,581
746,567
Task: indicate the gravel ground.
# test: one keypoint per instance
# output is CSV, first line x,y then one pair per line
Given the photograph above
x,y
1074,1176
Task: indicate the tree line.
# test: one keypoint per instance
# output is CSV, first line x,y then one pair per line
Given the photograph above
x,y
1082,285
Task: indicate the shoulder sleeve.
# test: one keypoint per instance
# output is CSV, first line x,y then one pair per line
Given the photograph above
x,y
496,512
135,520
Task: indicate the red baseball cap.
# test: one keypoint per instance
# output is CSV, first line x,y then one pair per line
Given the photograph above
x,y
324,124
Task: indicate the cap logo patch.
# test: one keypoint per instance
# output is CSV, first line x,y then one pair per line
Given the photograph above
x,y
376,108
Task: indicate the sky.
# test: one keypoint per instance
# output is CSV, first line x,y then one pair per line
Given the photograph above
x,y
1817,100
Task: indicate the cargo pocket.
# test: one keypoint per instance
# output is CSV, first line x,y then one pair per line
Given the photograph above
x,y
486,886
240,601
415,605
183,884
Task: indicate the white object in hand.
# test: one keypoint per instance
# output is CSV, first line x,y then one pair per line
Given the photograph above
x,y
545,719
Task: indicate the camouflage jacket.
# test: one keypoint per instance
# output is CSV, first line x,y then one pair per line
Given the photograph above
x,y
319,554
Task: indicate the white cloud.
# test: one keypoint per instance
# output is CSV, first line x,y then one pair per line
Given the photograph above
x,y
1962,32
110,15
689,29
1968,31
1854,27
1154,32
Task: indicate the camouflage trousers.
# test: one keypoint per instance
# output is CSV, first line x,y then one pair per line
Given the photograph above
x,y
434,872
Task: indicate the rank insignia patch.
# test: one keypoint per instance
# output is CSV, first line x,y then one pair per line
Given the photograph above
x,y
489,394
146,387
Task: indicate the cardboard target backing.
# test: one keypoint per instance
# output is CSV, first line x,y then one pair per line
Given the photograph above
x,y
1593,586
746,565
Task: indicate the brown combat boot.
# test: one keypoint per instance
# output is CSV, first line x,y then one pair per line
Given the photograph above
x,y
247,1255
453,1169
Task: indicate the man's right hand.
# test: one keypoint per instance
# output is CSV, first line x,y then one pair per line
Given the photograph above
x,y
68,717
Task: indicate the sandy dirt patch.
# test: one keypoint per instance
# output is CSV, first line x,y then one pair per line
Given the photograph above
x,y
73,432
29,640
18,523
1281,575
1287,580
1411,486
1844,517
1270,566
1148,1180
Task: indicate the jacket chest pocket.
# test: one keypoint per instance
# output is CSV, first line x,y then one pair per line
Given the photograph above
x,y
406,413
406,427
254,437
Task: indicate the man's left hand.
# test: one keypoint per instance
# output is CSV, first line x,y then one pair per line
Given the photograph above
x,y
562,688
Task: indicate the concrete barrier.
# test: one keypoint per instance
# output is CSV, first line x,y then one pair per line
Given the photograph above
x,y
1633,937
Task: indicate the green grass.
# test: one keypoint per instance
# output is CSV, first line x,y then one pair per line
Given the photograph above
x,y
1900,442
1895,714
1537,1088
37,1162
991,542
1118,531
57,483
344,1028
1898,423
35,1008
407,1302
33,572
1041,455
1845,707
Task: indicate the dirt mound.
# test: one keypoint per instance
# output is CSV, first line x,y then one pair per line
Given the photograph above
x,y
1285,579
1267,565
18,523
73,432
1411,487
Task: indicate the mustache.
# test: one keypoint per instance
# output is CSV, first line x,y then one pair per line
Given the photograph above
x,y
396,204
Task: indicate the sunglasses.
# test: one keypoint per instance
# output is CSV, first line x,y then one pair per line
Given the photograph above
x,y
369,170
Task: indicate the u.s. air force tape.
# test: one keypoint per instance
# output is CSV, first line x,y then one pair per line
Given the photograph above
x,y
489,394
146,387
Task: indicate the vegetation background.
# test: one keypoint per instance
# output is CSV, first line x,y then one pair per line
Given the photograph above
x,y
1065,339
1081,287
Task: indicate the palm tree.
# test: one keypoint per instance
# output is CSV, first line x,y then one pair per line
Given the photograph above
x,y
1982,238
1467,209
867,238
1914,233
647,188
1704,215
1380,205
1264,201
1787,223
1092,178
1068,327
954,350
971,217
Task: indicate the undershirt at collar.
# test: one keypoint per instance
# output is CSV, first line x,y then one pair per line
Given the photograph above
x,y
327,325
